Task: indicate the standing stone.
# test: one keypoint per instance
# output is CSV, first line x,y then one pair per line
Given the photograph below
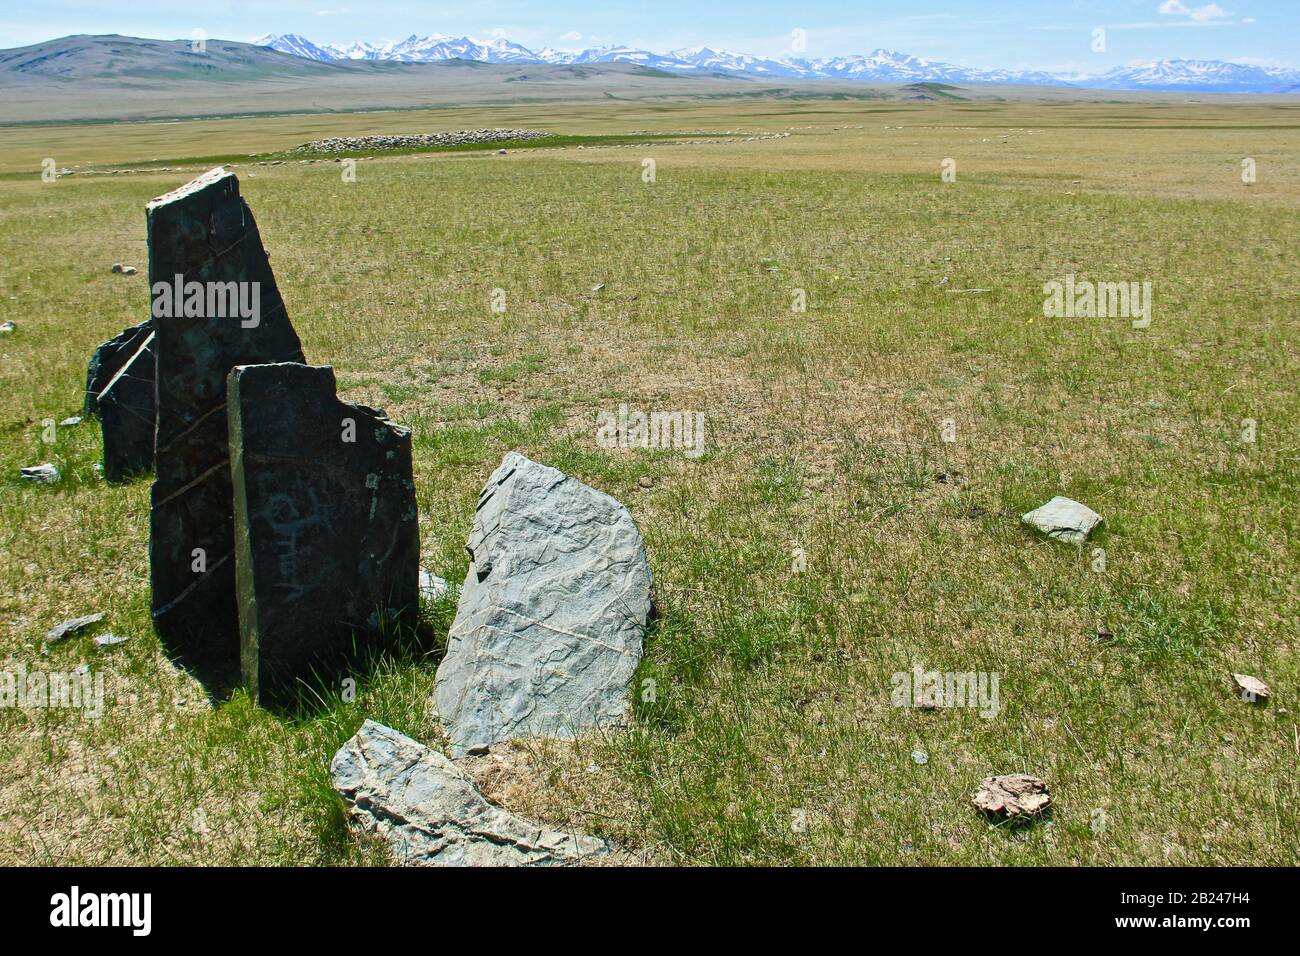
x,y
205,233
552,615
327,545
431,814
108,361
119,390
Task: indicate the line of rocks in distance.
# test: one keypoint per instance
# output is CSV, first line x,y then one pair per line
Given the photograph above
x,y
341,144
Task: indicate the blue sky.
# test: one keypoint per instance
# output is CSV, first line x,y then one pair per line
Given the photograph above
x,y
1049,35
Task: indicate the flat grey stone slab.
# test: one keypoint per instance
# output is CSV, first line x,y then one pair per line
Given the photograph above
x,y
1063,519
430,813
70,627
204,232
552,615
327,541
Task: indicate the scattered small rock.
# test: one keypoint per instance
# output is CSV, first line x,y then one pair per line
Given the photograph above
x,y
645,481
430,813
70,627
1252,688
110,640
45,474
1012,795
7,327
70,421
124,269
1063,519
920,757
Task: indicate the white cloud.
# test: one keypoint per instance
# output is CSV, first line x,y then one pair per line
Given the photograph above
x,y
1204,14
572,36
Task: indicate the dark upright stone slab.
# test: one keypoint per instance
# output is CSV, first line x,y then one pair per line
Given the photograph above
x,y
108,361
204,232
119,390
327,545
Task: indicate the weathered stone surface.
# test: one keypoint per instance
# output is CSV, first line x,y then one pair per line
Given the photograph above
x,y
327,545
119,390
68,628
205,232
432,814
1012,795
552,615
1063,519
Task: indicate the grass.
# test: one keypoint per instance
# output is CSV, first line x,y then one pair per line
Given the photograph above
x,y
763,692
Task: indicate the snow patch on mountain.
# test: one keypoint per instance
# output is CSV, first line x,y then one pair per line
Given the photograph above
x,y
878,66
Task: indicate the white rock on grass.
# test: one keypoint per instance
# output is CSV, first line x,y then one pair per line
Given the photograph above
x,y
552,615
432,587
46,474
431,814
1064,519
1253,690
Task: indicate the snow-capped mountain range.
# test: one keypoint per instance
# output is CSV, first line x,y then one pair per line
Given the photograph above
x,y
879,66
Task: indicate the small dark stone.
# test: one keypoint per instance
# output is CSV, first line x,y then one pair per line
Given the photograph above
x,y
205,233
327,543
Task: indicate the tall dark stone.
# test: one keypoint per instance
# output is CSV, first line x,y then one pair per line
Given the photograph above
x,y
327,544
203,232
119,391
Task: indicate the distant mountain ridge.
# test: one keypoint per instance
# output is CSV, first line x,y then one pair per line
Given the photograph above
x,y
879,66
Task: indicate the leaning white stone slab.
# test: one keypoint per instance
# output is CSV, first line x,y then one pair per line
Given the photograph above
x,y
552,615
431,814
1064,519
